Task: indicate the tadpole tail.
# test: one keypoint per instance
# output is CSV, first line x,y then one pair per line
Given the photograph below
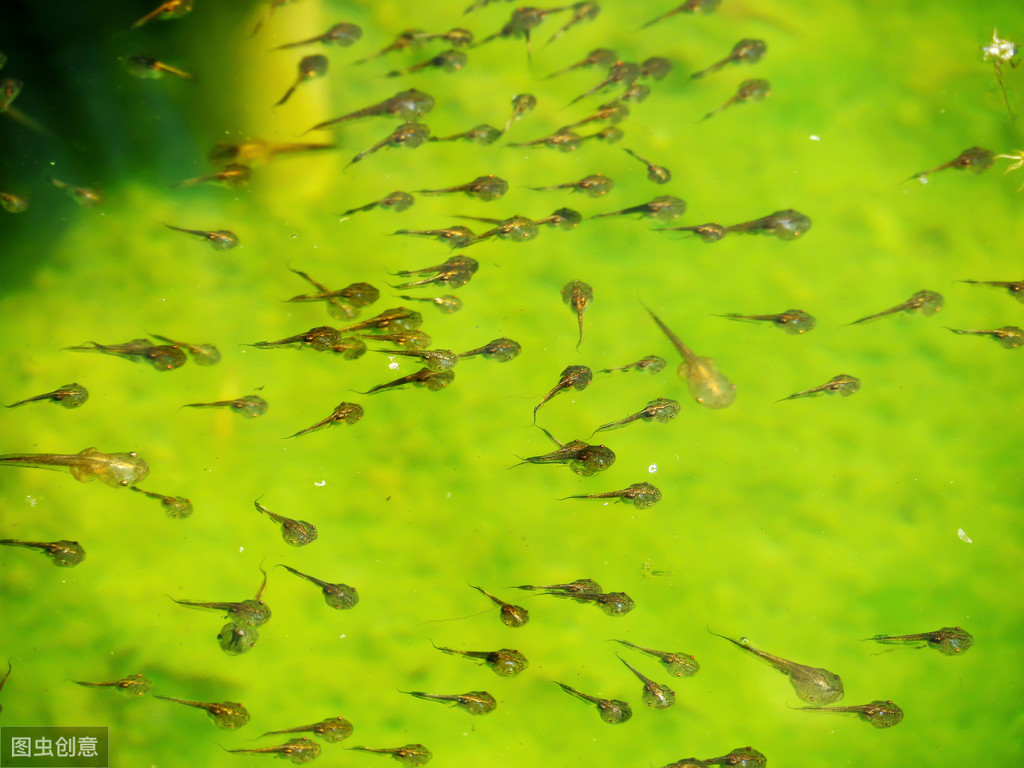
x,y
709,70
28,400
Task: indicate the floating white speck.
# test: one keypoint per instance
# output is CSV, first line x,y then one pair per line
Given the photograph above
x,y
241,549
393,365
653,468
963,536
815,138
32,501
320,483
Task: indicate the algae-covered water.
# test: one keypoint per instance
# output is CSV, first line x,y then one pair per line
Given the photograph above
x,y
804,526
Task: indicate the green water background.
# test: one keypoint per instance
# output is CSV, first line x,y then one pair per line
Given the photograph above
x,y
804,526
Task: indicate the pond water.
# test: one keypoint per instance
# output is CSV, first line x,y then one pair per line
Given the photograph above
x,y
804,526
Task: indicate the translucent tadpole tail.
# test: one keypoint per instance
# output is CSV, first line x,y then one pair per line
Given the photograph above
x,y
287,95
655,20
709,70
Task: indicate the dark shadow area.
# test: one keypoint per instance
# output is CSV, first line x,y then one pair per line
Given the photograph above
x,y
82,118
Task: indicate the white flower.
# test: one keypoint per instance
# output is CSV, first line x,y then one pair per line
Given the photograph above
x,y
998,49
